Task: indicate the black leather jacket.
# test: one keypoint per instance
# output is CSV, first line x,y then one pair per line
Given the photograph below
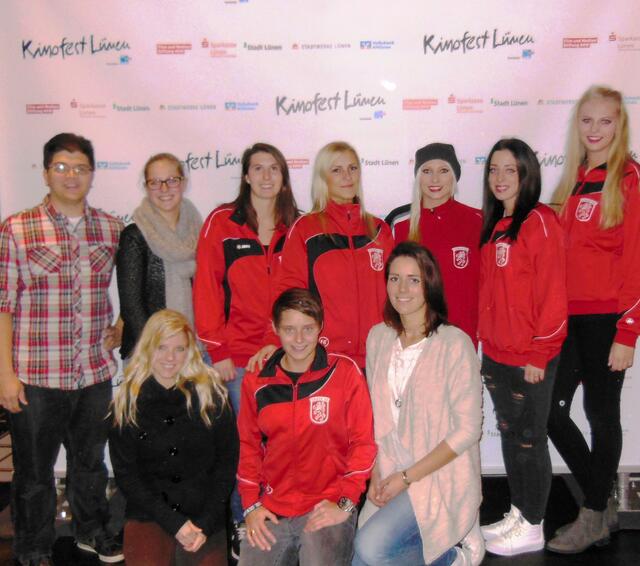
x,y
141,286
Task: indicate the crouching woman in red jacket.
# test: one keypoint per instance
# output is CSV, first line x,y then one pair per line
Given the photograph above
x,y
522,324
306,445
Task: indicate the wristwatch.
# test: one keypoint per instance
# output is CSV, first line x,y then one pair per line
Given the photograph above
x,y
345,504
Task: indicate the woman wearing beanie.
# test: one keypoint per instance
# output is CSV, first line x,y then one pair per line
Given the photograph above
x,y
156,256
448,228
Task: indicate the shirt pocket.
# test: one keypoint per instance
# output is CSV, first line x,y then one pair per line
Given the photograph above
x,y
44,260
101,257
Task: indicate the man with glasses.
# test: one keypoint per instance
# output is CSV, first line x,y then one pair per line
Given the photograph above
x,y
56,262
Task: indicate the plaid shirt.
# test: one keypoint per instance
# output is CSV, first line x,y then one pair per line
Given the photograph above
x,y
54,280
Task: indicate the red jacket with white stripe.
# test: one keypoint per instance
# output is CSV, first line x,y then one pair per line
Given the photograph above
x,y
331,254
523,292
603,266
233,285
302,443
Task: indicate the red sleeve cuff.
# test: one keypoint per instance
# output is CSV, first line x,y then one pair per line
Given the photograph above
x,y
218,353
539,360
626,338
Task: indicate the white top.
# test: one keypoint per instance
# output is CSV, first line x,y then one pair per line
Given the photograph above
x,y
403,361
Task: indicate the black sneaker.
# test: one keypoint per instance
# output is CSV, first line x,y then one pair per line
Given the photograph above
x,y
237,536
105,546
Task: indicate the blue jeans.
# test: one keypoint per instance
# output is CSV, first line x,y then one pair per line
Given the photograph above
x,y
329,546
53,417
522,411
234,388
392,537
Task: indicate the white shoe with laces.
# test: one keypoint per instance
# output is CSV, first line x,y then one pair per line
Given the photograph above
x,y
501,527
523,537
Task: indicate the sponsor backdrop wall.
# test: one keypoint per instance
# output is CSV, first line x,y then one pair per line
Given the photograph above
x,y
206,79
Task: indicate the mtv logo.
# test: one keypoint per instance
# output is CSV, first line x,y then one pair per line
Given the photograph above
x,y
103,164
527,53
365,45
378,114
229,105
480,160
124,59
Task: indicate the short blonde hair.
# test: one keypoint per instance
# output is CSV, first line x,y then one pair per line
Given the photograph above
x,y
161,326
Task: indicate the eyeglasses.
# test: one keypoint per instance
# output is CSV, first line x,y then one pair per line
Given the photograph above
x,y
65,169
156,184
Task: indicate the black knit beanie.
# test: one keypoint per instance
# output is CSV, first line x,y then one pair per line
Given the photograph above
x,y
443,151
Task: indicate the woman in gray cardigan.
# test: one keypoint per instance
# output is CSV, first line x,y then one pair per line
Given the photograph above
x,y
426,392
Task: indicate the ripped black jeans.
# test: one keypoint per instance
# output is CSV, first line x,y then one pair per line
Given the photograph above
x,y
522,410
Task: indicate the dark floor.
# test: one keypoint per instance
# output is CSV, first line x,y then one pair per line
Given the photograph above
x,y
624,549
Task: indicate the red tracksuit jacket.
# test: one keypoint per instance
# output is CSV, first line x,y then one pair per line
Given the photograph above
x,y
451,232
523,291
339,262
603,266
233,286
302,443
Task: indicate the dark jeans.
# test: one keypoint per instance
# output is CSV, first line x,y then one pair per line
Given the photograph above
x,y
522,411
584,358
53,417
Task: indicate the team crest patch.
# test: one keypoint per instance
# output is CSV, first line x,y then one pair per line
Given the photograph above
x,y
585,209
460,257
502,254
323,341
319,409
376,258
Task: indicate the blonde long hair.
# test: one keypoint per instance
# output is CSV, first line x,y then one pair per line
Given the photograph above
x,y
205,380
612,211
416,207
320,188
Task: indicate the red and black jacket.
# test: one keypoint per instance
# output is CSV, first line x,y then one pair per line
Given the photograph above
x,y
603,266
304,442
451,232
233,286
331,254
523,292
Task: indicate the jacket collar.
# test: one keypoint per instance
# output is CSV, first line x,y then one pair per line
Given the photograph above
x,y
320,361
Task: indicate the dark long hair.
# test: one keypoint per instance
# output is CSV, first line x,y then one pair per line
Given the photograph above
x,y
436,311
286,209
530,186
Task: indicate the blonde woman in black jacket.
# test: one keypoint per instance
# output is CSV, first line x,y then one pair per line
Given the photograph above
x,y
174,449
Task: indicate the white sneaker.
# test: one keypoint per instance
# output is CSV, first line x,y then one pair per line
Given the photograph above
x,y
474,543
463,557
523,537
501,527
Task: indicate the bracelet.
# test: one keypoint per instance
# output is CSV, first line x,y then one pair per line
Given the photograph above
x,y
405,479
251,508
